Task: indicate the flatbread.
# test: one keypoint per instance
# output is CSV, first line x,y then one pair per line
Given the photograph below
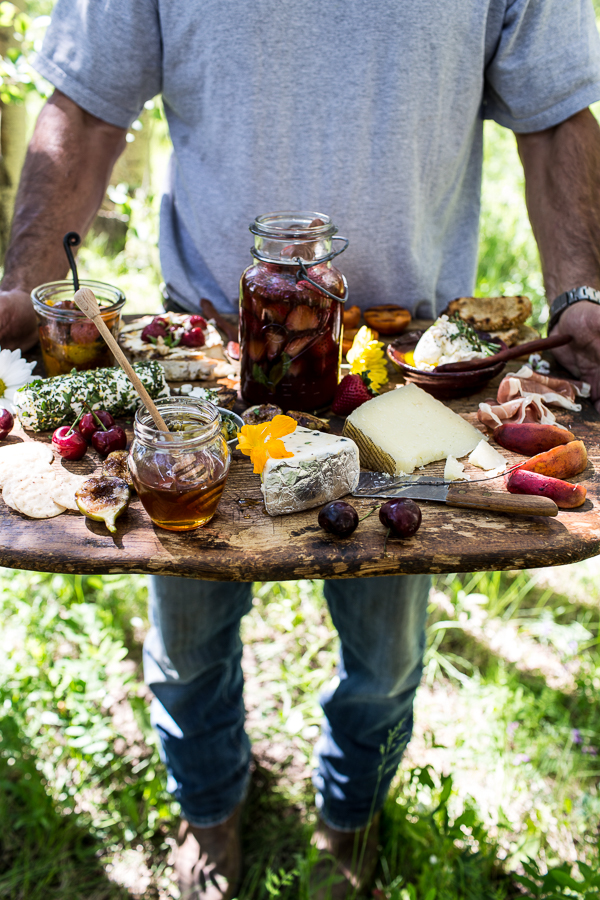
x,y
491,313
24,457
64,489
32,495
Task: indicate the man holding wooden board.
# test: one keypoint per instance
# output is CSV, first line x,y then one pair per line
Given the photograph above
x,y
369,111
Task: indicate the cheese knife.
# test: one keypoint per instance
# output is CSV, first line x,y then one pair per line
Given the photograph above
x,y
461,495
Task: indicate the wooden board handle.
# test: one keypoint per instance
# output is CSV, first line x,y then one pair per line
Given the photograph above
x,y
498,501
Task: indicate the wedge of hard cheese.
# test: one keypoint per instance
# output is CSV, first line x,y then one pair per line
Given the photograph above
x,y
406,428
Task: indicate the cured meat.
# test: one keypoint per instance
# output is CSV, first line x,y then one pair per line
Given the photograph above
x,y
520,409
527,383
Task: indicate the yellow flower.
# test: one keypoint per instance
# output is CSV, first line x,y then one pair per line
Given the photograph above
x,y
261,442
366,356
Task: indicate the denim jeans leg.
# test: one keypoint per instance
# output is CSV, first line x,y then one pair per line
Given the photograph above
x,y
192,663
381,624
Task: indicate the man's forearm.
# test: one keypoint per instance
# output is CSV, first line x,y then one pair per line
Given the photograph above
x,y
562,187
66,170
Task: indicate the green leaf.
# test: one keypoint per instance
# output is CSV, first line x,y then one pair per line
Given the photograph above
x,y
258,375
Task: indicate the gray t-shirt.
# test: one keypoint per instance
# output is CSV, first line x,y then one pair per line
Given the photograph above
x,y
368,110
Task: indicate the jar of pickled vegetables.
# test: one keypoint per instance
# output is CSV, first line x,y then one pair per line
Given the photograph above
x,y
179,476
67,337
291,302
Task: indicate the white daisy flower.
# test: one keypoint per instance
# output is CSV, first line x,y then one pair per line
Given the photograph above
x,y
14,373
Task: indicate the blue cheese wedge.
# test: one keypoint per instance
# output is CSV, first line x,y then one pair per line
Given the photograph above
x,y
324,467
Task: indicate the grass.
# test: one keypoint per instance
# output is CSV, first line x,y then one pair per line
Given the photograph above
x,y
84,812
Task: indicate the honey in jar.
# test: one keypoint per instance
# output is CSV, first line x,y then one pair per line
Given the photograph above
x,y
180,476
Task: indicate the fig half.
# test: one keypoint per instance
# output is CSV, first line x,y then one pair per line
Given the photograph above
x,y
116,466
103,498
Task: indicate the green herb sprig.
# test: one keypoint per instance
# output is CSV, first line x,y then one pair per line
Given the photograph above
x,y
468,332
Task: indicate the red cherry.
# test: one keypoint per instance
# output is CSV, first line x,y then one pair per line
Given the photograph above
x,y
88,424
107,441
198,322
193,338
7,421
69,446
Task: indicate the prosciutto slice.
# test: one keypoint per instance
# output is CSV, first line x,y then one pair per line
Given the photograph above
x,y
557,391
520,409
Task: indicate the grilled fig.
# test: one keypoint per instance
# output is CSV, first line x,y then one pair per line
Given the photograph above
x,y
116,466
103,498
306,420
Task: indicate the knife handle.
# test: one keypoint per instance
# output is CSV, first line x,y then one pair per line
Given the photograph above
x,y
498,501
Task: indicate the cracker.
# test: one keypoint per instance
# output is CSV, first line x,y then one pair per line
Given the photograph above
x,y
23,457
32,496
64,489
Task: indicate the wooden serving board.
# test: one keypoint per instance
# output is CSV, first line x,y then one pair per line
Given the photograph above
x,y
243,543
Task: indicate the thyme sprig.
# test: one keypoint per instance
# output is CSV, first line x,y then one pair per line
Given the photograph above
x,y
468,332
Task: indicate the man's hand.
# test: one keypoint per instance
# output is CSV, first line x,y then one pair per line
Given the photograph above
x,y
582,355
18,321
562,181
66,170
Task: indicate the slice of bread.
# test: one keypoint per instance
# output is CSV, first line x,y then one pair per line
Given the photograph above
x,y
491,313
519,335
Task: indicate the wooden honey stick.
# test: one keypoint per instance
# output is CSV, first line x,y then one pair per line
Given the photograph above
x,y
87,303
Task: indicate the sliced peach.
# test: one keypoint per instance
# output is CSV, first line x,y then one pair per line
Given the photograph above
x,y
351,317
388,318
565,495
560,462
531,437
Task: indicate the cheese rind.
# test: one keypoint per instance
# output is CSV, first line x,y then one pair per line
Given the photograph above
x,y
324,467
405,428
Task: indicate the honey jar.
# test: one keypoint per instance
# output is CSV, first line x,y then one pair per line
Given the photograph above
x,y
180,476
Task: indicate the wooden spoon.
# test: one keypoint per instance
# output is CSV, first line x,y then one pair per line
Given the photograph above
x,y
87,303
470,365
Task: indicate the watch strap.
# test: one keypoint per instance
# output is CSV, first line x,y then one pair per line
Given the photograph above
x,y
563,301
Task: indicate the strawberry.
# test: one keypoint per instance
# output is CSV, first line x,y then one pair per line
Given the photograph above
x,y
351,393
198,322
193,338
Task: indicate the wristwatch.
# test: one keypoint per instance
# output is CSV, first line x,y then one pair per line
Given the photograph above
x,y
560,303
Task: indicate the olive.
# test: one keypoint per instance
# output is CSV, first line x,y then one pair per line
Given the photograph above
x,y
401,515
338,518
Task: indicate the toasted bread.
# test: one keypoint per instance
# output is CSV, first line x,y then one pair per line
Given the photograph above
x,y
491,313
514,336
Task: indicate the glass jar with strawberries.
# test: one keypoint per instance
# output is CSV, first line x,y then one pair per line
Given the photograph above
x,y
291,301
68,339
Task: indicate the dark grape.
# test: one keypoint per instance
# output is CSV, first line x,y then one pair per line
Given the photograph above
x,y
104,442
338,518
7,422
403,516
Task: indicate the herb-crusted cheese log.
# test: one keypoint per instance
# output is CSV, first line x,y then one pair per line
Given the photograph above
x,y
49,402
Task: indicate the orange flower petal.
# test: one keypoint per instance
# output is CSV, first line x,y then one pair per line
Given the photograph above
x,y
279,426
276,450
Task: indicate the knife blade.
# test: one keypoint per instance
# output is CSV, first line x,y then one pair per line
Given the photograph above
x,y
465,497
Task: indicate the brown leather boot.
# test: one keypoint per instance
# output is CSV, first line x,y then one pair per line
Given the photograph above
x,y
350,871
208,861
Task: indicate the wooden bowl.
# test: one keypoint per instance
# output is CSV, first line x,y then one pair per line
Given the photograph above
x,y
388,318
443,385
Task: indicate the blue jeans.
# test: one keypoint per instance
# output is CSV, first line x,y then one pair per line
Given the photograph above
x,y
192,663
